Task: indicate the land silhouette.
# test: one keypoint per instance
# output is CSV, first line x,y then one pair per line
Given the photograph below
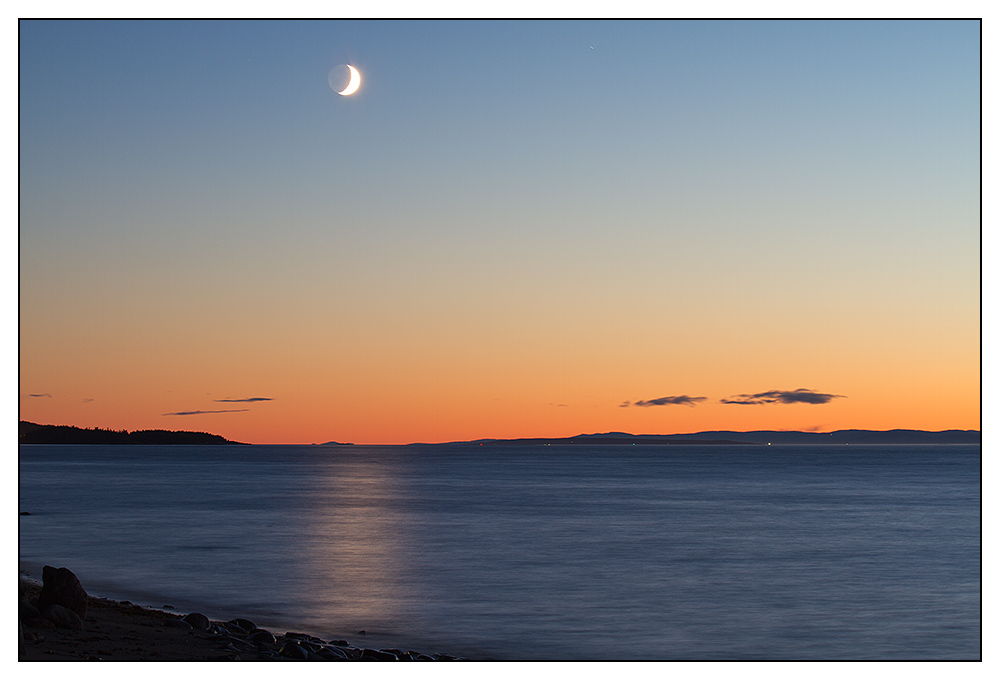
x,y
757,437
32,433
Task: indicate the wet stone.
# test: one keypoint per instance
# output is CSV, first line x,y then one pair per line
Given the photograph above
x,y
63,617
236,628
245,624
349,652
333,654
303,636
39,622
199,621
292,650
33,638
26,610
235,643
377,655
261,637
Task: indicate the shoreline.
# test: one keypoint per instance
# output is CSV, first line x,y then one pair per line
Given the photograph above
x,y
123,631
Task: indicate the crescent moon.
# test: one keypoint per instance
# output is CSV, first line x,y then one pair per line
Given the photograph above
x,y
355,83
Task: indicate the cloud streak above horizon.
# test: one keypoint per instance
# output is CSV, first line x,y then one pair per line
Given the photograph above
x,y
682,400
799,396
244,400
201,413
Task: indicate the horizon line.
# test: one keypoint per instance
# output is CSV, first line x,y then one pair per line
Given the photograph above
x,y
514,439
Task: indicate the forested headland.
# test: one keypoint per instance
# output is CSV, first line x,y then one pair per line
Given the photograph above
x,y
32,433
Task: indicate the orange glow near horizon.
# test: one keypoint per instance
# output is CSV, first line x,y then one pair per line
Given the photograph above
x,y
469,369
495,372
429,399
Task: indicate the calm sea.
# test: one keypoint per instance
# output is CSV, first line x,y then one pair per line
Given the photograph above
x,y
617,552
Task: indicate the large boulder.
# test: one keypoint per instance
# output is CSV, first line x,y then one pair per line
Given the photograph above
x,y
62,587
62,617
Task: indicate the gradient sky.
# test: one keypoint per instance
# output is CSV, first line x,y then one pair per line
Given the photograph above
x,y
512,229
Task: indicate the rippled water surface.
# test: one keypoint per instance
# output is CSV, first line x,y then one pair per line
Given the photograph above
x,y
700,552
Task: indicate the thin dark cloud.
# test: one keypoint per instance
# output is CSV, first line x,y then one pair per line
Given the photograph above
x,y
799,396
246,399
201,413
46,395
87,400
682,400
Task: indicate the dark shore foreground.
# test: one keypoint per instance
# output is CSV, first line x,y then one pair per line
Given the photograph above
x,y
122,631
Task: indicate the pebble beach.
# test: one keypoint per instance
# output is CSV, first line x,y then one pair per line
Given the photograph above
x,y
113,630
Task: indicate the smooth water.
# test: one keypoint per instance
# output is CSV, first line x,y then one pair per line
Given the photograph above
x,y
618,552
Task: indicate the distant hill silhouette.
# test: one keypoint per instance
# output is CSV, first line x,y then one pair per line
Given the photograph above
x,y
845,437
32,433
757,437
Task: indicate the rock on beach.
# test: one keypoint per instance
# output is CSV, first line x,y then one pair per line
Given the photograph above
x,y
62,617
199,621
62,587
52,628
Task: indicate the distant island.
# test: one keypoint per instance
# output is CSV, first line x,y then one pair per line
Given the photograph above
x,y
32,433
758,437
